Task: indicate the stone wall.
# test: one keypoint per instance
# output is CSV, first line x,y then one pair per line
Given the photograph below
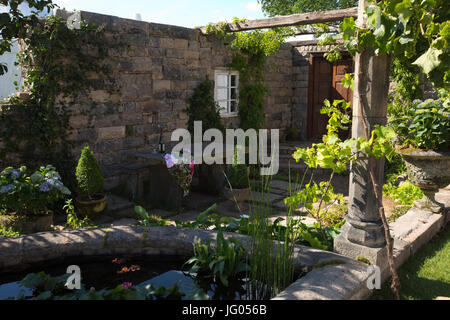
x,y
157,68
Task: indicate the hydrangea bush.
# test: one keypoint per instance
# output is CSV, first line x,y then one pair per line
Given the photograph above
x,y
33,194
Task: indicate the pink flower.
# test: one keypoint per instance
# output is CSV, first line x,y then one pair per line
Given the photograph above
x,y
170,160
127,285
135,268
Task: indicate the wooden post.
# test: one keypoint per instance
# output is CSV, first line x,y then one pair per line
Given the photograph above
x,y
363,233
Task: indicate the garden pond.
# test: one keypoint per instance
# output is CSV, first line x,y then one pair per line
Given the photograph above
x,y
108,272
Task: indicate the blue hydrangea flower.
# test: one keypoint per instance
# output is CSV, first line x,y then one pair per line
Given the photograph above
x,y
53,175
8,188
36,178
15,174
45,187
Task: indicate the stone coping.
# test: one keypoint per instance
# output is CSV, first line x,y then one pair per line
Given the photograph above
x,y
422,154
338,278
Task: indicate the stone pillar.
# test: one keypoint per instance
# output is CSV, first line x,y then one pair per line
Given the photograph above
x,y
363,234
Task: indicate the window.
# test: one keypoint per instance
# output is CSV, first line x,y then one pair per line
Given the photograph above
x,y
227,92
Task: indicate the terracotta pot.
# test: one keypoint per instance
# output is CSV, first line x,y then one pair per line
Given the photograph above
x,y
237,195
91,208
430,171
28,223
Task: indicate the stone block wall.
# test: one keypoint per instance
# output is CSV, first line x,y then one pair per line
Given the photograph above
x,y
300,95
157,68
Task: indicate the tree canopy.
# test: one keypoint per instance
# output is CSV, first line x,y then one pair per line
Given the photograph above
x,y
14,24
286,7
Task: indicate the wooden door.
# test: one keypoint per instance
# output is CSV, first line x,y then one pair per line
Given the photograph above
x,y
325,83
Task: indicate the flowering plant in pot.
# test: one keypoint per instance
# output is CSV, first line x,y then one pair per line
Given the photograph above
x,y
423,139
237,176
90,202
27,199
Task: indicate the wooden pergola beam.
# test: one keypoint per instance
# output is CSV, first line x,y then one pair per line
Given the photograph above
x,y
292,20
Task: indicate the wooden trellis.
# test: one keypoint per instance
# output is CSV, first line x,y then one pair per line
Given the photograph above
x,y
291,21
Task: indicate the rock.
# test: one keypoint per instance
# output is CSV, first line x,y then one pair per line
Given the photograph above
x,y
264,197
118,207
228,208
124,222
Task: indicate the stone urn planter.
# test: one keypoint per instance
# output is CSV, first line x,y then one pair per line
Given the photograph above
x,y
430,171
31,223
91,208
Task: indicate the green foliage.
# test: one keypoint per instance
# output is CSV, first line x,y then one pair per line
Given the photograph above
x,y
14,24
9,232
237,174
202,107
287,7
89,176
404,194
224,262
251,50
424,125
205,220
57,64
334,213
332,153
73,222
46,287
30,194
312,193
415,32
149,221
335,154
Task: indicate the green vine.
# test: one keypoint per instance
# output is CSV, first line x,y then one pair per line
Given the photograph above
x,y
250,53
415,32
56,62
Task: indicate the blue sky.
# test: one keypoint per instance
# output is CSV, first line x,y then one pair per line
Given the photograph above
x,y
187,13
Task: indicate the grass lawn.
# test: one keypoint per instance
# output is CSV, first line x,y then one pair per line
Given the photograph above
x,y
426,275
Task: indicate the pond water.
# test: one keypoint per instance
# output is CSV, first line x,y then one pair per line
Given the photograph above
x,y
107,272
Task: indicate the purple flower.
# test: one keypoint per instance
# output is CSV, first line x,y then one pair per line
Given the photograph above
x,y
170,160
127,285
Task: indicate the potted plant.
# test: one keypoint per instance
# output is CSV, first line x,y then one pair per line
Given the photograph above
x,y
26,200
237,177
90,202
423,140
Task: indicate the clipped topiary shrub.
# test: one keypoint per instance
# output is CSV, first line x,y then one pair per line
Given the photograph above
x,y
203,107
90,178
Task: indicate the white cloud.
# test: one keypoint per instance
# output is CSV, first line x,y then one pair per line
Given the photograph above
x,y
216,12
253,6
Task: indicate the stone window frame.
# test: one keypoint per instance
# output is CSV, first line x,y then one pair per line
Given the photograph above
x,y
229,87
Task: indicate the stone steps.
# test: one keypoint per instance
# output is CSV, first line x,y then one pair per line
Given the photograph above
x,y
119,208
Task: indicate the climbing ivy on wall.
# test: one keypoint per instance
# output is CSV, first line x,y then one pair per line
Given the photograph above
x,y
250,53
56,62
